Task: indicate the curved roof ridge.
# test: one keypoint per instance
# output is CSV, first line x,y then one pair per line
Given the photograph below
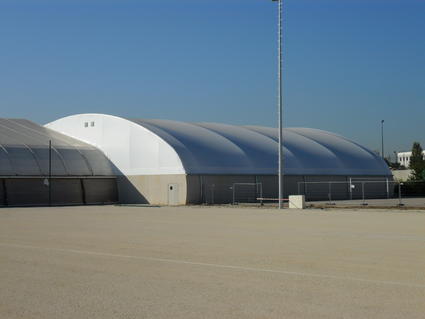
x,y
321,145
146,123
316,143
348,140
227,138
193,124
212,132
251,129
337,136
300,135
223,136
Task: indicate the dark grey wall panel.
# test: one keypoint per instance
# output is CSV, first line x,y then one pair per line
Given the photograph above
x,y
64,191
100,191
27,192
2,195
67,192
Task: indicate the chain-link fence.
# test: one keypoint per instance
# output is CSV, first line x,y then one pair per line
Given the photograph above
x,y
365,192
353,191
247,193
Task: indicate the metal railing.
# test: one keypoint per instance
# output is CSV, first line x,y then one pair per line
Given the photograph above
x,y
247,193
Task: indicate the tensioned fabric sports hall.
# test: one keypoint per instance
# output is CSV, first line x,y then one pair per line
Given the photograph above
x,y
165,162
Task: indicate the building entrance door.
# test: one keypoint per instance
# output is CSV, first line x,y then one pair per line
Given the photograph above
x,y
173,194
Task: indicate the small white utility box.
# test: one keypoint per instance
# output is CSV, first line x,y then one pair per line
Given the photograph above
x,y
297,201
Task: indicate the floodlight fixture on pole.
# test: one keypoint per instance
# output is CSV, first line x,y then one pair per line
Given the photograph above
x,y
280,99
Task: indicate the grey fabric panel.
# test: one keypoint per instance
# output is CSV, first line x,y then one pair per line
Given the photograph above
x,y
194,189
64,191
25,151
5,165
2,197
96,160
23,161
42,155
76,163
101,191
67,192
26,192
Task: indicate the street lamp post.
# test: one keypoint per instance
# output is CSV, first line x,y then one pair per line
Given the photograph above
x,y
280,99
382,139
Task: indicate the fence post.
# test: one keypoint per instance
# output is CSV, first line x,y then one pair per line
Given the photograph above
x,y
261,194
201,184
330,193
388,189
399,195
351,190
364,204
212,193
50,172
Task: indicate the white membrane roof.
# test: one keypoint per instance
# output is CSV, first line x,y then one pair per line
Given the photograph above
x,y
138,146
212,148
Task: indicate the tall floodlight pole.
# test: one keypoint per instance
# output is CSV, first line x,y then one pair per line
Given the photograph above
x,y
280,99
50,173
382,139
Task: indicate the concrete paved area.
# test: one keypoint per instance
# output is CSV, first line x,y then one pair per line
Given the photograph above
x,y
195,262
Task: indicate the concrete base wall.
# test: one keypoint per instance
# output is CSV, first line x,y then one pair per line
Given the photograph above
x,y
151,189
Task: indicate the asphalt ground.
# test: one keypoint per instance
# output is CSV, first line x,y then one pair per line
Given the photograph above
x,y
211,262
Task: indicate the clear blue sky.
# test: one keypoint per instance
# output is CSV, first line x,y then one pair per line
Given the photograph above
x,y
348,63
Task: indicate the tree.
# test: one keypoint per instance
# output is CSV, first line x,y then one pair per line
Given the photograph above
x,y
417,163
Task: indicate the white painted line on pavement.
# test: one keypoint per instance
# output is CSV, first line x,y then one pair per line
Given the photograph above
x,y
221,266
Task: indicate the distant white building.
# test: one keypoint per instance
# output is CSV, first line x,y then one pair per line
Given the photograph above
x,y
403,158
